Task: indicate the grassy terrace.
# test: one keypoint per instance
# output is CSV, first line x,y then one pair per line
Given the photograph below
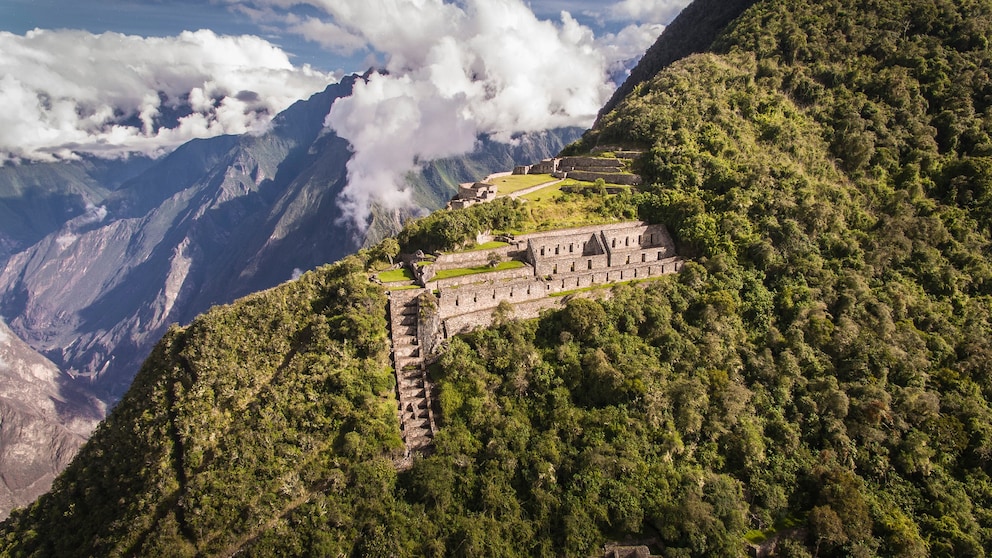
x,y
550,208
462,271
396,275
486,246
517,182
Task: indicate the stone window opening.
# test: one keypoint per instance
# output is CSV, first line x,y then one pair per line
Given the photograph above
x,y
475,298
652,238
456,301
628,259
573,266
644,258
635,273
555,270
571,248
659,255
542,250
589,264
614,243
494,295
638,239
627,241
556,250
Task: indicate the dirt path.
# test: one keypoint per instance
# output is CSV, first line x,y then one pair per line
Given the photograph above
x,y
532,189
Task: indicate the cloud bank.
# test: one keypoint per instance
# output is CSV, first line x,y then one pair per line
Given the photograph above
x,y
69,92
453,72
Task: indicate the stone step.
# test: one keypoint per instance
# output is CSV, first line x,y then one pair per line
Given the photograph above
x,y
408,384
406,351
403,320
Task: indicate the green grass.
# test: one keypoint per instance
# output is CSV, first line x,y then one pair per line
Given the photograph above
x,y
550,209
462,271
485,246
517,182
396,275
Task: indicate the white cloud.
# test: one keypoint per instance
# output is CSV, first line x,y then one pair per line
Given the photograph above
x,y
69,92
453,71
628,44
643,11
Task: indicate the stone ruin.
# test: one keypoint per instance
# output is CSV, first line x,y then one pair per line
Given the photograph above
x,y
557,263
586,169
471,193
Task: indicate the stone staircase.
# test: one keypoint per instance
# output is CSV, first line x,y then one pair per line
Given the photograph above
x,y
413,390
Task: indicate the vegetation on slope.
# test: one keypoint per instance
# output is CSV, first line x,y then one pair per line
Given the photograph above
x,y
823,365
234,421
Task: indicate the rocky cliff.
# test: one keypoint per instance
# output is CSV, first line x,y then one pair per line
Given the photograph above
x,y
43,422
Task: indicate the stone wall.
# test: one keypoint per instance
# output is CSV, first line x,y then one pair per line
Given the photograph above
x,y
567,246
547,166
474,259
571,263
591,229
486,296
589,163
620,178
506,274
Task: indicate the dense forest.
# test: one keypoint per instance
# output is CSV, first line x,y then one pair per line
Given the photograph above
x,y
817,381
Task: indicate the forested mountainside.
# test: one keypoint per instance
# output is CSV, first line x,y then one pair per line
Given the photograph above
x,y
815,383
104,255
694,30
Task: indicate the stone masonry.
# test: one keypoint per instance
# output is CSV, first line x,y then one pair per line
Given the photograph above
x,y
413,390
555,262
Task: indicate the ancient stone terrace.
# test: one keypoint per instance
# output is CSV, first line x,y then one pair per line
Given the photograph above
x,y
586,169
568,261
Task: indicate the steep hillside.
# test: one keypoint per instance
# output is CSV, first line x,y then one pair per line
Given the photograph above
x,y
694,30
36,200
43,422
815,383
120,251
215,220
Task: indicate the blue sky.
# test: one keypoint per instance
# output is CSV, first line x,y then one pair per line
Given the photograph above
x,y
159,18
101,77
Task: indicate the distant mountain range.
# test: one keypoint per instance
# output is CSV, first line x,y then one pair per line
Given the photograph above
x,y
101,256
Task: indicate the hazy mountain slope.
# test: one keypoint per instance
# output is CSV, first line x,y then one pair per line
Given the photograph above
x,y
43,422
37,199
214,220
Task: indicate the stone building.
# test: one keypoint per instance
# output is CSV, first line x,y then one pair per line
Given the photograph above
x,y
471,193
555,262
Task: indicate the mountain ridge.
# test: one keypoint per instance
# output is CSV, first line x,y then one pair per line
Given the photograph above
x,y
813,383
215,220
